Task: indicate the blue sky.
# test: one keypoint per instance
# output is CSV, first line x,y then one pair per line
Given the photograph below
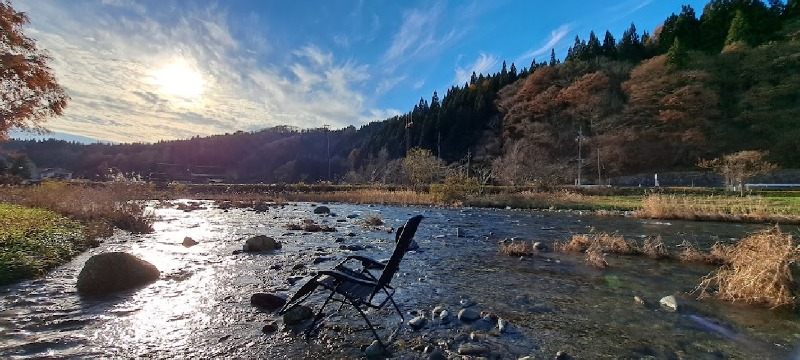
x,y
143,71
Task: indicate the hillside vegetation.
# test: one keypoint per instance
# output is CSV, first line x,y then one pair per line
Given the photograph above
x,y
696,87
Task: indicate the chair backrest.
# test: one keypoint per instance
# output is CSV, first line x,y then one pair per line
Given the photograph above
x,y
403,241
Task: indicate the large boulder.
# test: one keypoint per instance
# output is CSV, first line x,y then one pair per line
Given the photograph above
x,y
261,243
322,210
115,271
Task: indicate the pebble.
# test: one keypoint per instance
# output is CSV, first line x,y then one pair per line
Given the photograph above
x,y
270,328
669,302
472,349
374,350
468,315
437,355
417,323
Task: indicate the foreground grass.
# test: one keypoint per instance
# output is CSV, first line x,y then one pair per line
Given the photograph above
x,y
33,241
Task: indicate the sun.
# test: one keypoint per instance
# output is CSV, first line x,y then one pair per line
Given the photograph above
x,y
179,80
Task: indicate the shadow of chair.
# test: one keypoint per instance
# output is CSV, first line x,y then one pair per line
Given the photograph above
x,y
358,287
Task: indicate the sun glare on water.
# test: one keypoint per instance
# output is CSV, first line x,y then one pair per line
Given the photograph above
x,y
179,80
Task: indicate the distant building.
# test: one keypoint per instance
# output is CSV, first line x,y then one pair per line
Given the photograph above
x,y
54,173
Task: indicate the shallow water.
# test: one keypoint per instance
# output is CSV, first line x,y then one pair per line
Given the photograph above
x,y
200,306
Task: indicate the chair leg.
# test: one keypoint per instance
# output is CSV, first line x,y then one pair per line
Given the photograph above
x,y
318,316
397,308
366,319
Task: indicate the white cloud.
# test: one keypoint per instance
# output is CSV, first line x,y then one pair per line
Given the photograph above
x,y
418,36
419,84
481,65
555,36
106,61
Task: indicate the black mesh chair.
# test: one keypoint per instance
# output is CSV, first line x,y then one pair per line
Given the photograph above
x,y
358,287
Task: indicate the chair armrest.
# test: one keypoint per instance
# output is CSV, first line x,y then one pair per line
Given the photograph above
x,y
365,262
340,276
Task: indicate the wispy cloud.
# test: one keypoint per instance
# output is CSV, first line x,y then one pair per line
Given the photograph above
x,y
105,55
555,37
481,65
418,36
626,8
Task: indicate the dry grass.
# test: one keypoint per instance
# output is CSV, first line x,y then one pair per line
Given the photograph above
x,y
367,196
100,207
715,208
595,256
718,254
606,242
578,243
654,248
757,270
517,248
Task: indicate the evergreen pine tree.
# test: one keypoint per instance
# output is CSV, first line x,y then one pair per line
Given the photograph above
x,y
609,46
677,56
553,60
593,47
739,29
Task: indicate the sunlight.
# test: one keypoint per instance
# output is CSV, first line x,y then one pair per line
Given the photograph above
x,y
180,80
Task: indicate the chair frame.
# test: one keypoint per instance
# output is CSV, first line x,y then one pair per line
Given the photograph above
x,y
342,278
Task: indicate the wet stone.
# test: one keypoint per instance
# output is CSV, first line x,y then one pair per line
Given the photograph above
x,y
270,302
669,302
270,328
322,210
472,349
417,323
437,355
296,315
374,350
468,315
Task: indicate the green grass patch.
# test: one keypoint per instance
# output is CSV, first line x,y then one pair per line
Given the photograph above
x,y
33,241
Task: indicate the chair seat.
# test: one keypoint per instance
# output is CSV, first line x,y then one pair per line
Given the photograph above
x,y
355,290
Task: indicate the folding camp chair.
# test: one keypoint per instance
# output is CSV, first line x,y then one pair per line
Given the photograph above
x,y
358,287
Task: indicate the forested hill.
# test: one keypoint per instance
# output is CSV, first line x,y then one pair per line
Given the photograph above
x,y
700,85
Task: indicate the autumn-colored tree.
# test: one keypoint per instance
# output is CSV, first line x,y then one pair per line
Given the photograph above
x,y
739,166
30,93
421,167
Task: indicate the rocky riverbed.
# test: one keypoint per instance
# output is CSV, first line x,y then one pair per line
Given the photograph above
x,y
537,307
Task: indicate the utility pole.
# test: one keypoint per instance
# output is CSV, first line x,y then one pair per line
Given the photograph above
x,y
599,178
328,141
580,140
409,122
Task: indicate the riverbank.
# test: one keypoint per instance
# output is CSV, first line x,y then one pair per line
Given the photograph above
x,y
33,241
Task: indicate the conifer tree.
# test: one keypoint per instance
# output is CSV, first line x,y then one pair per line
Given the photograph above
x,y
739,29
553,60
677,56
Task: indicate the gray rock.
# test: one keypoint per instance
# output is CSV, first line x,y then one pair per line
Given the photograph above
x,y
437,355
188,242
502,325
472,349
270,302
444,316
354,247
670,303
374,350
261,243
468,315
321,259
114,271
297,314
270,328
539,246
352,216
465,303
417,323
322,210
438,310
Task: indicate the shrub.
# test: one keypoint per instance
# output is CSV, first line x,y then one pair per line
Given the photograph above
x,y
654,248
757,270
517,248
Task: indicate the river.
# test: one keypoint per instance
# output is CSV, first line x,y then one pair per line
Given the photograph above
x,y
555,302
